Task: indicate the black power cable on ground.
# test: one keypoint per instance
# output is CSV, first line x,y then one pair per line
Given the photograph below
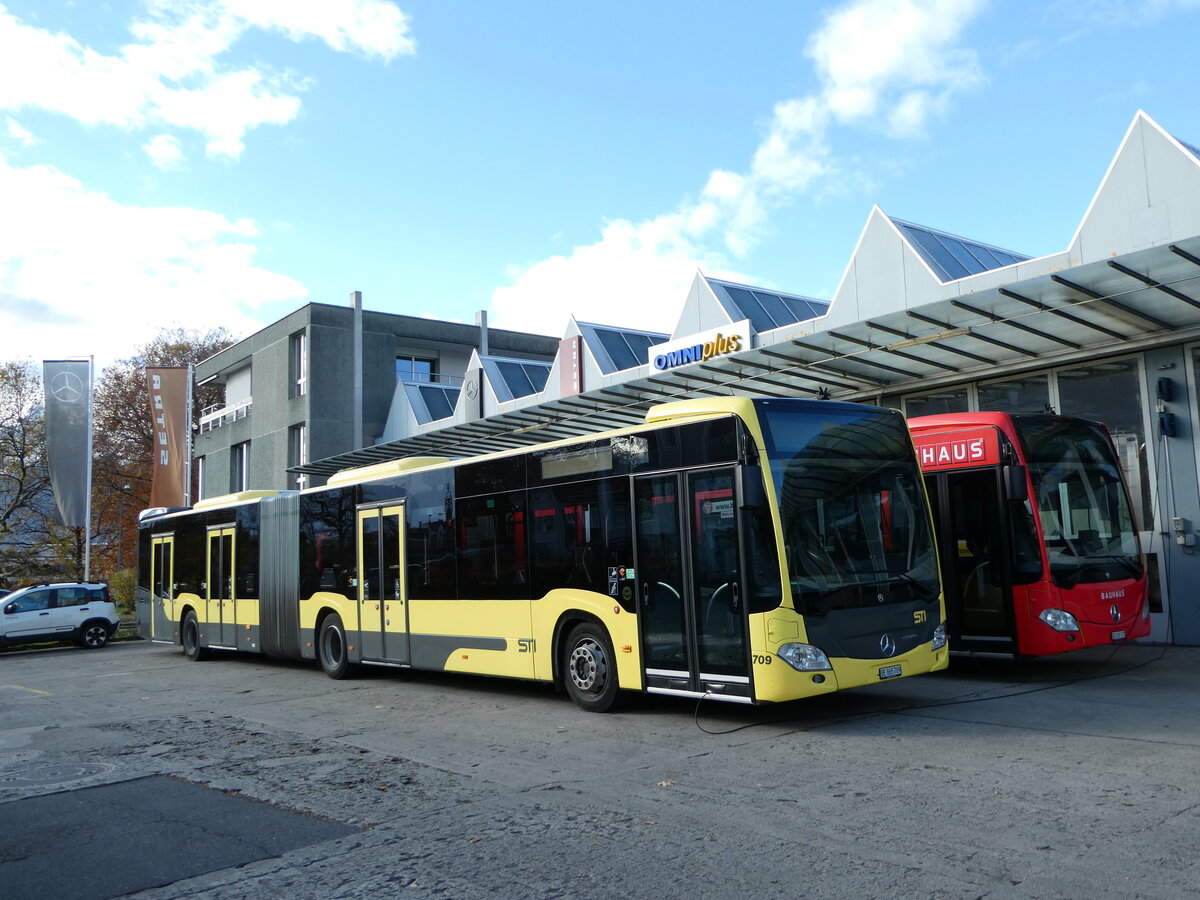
x,y
1095,674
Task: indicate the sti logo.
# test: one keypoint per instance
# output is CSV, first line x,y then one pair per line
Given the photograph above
x,y
973,447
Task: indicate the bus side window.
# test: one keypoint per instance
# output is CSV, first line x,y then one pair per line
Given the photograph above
x,y
492,557
581,530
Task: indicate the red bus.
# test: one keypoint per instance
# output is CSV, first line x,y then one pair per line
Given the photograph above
x,y
1038,544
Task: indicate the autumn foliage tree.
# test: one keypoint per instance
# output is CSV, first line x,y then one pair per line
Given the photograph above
x,y
123,440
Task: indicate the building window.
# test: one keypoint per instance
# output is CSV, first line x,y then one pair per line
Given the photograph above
x,y
415,368
239,467
1111,392
1021,394
199,479
298,364
298,452
951,400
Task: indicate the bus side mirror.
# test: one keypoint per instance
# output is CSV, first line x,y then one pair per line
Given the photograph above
x,y
1015,485
754,494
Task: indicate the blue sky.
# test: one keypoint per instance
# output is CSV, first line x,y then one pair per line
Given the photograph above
x,y
181,162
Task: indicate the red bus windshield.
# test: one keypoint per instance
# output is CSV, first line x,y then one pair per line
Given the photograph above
x,y
1087,523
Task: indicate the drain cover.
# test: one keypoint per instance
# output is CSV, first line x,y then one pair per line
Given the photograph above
x,y
52,774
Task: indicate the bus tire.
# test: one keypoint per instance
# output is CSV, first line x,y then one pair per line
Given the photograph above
x,y
189,636
332,649
590,668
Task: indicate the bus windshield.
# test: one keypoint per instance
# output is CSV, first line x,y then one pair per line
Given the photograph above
x,y
1086,519
855,523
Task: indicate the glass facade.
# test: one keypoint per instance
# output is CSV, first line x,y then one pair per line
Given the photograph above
x,y
1108,391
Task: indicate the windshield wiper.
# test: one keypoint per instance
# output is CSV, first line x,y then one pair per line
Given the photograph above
x,y
1128,563
1072,573
929,593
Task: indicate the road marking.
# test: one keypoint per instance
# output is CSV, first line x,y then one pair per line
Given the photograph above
x,y
17,687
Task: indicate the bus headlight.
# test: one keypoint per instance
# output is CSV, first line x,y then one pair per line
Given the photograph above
x,y
804,657
1059,620
939,637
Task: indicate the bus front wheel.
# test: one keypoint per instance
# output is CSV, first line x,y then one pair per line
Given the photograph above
x,y
589,668
190,638
332,648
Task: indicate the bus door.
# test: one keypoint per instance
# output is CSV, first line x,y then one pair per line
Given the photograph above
x,y
162,586
973,545
382,592
691,614
222,627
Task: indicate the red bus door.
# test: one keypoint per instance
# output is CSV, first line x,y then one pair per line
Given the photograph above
x,y
975,549
963,478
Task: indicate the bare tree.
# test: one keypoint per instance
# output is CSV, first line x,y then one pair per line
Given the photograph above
x,y
30,539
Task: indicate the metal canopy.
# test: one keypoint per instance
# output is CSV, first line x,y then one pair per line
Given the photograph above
x,y
1096,309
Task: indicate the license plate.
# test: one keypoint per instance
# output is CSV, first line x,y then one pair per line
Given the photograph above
x,y
1118,635
889,672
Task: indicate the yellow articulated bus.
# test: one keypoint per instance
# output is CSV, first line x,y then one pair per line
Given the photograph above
x,y
745,550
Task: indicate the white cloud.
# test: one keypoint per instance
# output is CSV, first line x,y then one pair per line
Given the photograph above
x,y
81,274
876,54
165,151
370,27
900,57
18,132
635,275
174,73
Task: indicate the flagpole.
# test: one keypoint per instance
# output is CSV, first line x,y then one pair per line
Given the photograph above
x,y
187,419
87,515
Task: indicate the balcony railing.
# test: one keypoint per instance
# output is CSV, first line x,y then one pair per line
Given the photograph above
x,y
216,416
434,378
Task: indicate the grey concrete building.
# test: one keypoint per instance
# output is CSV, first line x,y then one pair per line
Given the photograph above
x,y
290,388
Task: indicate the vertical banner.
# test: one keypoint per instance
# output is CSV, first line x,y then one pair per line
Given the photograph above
x,y
170,420
570,366
68,386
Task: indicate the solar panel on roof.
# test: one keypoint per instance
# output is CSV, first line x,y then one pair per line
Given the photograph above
x,y
621,349
430,402
765,309
951,257
522,378
437,401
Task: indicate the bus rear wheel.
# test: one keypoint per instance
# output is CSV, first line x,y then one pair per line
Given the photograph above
x,y
589,668
332,648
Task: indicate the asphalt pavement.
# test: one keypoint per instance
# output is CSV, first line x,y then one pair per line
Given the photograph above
x,y
130,772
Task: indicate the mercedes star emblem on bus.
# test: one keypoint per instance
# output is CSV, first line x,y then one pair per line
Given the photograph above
x,y
887,646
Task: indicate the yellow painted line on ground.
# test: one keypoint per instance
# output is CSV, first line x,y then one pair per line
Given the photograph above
x,y
17,687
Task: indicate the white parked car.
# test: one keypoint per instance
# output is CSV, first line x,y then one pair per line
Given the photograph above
x,y
79,611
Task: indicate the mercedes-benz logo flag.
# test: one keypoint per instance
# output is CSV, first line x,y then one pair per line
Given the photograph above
x,y
68,385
